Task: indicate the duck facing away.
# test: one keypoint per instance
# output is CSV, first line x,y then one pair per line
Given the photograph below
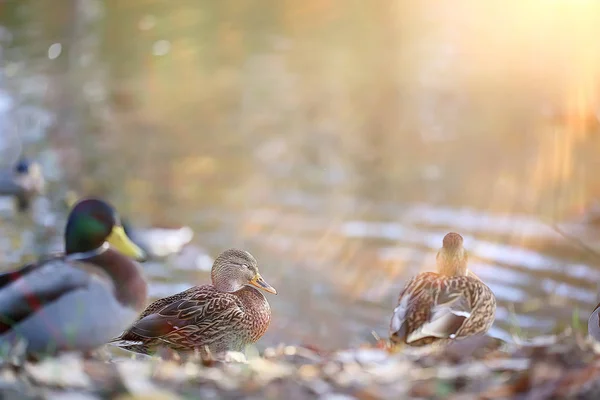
x,y
225,316
78,300
449,304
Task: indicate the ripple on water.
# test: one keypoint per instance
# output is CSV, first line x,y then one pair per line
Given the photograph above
x,y
517,275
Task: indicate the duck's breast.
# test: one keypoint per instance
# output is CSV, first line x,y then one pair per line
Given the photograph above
x,y
257,313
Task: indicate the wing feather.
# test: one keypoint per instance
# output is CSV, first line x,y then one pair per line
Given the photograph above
x,y
447,316
201,317
32,287
407,301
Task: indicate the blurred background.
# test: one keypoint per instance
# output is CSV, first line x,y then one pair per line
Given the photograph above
x,y
336,140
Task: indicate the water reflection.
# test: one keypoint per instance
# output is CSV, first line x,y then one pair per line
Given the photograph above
x,y
337,144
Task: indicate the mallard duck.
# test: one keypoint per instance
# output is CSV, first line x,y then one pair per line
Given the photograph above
x,y
78,300
156,242
594,323
225,316
23,182
449,304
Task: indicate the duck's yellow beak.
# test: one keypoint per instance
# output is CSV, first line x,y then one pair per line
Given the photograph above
x,y
121,242
260,283
71,198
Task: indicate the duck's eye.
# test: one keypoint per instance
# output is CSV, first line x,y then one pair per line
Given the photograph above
x,y
245,266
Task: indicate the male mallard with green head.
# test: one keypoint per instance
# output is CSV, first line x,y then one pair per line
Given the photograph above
x,y
156,242
449,304
225,316
79,300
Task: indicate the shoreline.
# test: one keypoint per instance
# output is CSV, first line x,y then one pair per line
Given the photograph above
x,y
564,366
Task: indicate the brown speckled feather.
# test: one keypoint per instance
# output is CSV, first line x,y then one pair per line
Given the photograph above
x,y
227,315
144,347
426,291
161,303
201,316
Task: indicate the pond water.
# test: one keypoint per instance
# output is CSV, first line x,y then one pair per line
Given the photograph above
x,y
337,144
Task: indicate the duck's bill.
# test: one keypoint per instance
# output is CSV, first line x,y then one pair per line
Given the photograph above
x,y
119,240
71,199
260,283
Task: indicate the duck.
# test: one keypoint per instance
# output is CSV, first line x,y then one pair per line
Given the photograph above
x,y
437,307
157,242
24,181
216,318
594,323
80,299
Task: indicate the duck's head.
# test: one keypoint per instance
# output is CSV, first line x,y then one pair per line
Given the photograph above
x,y
94,224
452,258
234,269
22,166
28,175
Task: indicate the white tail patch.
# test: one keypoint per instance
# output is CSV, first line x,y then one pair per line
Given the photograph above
x,y
465,314
445,320
127,343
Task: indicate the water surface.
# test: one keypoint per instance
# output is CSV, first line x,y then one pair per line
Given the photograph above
x,y
337,144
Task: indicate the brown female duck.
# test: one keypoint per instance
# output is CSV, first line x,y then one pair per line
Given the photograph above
x,y
225,316
449,304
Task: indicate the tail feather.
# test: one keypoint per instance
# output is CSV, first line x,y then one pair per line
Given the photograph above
x,y
125,343
399,336
398,329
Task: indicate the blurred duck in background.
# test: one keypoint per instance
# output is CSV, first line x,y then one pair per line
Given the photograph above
x,y
24,181
157,242
79,300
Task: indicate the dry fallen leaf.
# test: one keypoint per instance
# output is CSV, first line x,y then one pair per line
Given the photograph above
x,y
64,371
